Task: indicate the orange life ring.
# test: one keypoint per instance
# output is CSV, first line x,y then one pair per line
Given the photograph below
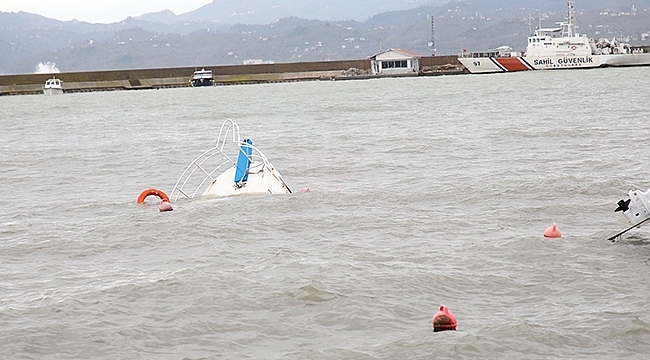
x,y
159,193
573,47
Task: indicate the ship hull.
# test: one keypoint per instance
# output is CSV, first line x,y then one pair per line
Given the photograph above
x,y
202,82
479,65
52,91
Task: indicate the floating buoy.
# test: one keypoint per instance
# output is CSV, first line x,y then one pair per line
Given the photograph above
x,y
155,192
165,206
444,320
552,232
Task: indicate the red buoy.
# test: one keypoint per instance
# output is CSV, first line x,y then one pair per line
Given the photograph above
x,y
444,320
165,206
552,232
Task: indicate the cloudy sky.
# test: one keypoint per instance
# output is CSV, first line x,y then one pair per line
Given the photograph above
x,y
98,11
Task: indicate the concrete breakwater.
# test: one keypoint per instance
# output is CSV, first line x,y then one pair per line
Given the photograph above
x,y
223,74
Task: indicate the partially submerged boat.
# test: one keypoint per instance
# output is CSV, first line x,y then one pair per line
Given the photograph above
x,y
53,86
635,210
561,47
234,166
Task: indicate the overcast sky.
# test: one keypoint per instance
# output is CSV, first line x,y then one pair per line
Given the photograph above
x,y
98,11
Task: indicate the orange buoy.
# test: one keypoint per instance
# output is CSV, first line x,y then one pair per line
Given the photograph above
x,y
444,320
552,232
155,192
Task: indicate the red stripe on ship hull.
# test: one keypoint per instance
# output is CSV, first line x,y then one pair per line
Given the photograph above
x,y
512,64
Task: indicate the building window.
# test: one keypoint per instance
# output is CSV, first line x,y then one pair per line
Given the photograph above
x,y
400,64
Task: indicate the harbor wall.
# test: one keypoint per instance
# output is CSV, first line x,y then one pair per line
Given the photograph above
x,y
224,75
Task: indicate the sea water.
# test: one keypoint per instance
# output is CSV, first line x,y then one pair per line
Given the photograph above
x,y
424,191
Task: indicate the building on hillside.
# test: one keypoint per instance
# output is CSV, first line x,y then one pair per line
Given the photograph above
x,y
395,61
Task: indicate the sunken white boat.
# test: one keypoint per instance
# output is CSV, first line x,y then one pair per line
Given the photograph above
x,y
234,166
635,211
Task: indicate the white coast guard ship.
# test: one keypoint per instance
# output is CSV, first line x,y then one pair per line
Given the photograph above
x,y
557,48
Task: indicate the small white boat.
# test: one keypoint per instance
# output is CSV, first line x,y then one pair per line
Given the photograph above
x,y
202,77
233,167
561,47
53,86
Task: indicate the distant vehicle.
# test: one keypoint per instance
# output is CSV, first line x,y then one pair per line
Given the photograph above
x,y
53,86
202,77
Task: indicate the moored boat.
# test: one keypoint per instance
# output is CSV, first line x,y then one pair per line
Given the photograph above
x,y
202,77
53,86
557,48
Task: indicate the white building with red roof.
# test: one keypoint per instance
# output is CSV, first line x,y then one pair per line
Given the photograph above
x,y
395,61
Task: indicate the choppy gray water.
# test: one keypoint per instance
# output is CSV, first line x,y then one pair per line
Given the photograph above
x,y
425,191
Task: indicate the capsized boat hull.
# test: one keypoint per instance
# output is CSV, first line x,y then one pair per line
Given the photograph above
x,y
265,181
635,209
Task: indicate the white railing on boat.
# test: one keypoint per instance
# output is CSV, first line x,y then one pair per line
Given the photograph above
x,y
204,170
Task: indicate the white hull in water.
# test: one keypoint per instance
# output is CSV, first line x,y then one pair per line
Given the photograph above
x,y
635,211
636,208
557,48
233,167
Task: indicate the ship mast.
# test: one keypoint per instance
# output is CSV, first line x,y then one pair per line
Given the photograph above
x,y
570,18
432,42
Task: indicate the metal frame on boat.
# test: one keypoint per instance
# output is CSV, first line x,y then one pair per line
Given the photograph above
x,y
216,173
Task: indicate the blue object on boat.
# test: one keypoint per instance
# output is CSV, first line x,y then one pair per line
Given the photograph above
x,y
244,161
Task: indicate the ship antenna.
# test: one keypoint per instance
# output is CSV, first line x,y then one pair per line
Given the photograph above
x,y
539,15
570,18
432,42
